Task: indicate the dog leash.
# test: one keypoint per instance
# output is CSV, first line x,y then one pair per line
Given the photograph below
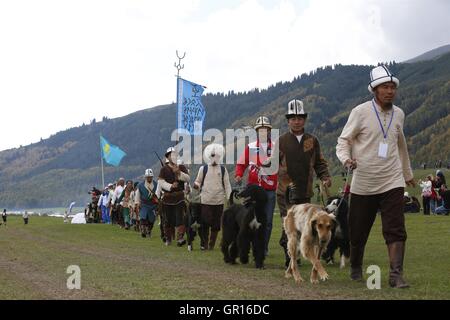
x,y
345,187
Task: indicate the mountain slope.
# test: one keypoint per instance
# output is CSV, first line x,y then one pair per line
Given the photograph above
x,y
430,55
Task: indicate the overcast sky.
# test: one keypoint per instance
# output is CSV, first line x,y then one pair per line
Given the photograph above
x,y
63,63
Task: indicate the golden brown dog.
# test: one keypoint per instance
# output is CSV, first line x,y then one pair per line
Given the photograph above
x,y
308,228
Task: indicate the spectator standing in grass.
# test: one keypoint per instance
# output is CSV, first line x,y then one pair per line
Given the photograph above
x,y
426,193
25,217
4,216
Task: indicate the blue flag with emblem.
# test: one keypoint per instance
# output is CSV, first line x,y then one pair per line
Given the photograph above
x,y
190,110
111,153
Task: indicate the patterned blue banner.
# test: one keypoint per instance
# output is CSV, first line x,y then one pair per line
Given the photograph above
x,y
191,112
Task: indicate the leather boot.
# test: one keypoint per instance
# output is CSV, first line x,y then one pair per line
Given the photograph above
x,y
180,235
143,231
396,252
287,259
356,260
168,231
212,239
149,230
204,235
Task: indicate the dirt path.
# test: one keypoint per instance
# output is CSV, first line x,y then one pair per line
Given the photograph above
x,y
198,277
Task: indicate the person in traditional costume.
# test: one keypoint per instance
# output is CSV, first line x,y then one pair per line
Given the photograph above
x,y
127,202
146,203
299,157
255,154
172,178
214,184
373,144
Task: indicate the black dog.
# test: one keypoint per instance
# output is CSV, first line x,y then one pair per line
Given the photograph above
x,y
340,237
192,222
243,226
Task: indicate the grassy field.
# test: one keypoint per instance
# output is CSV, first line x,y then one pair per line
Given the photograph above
x,y
119,264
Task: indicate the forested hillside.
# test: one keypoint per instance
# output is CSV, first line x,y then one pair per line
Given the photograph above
x,y
65,166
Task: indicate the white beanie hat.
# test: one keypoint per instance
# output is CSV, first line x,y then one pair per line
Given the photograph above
x,y
380,75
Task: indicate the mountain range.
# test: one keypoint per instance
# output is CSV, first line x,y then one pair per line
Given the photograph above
x,y
64,167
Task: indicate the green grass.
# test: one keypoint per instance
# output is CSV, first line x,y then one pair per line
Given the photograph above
x,y
119,264
417,192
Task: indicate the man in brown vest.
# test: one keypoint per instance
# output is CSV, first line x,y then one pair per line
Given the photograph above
x,y
299,157
172,178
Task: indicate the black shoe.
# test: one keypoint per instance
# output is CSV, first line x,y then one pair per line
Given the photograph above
x,y
356,274
181,243
143,235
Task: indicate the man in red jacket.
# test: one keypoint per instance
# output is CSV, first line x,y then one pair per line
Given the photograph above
x,y
254,155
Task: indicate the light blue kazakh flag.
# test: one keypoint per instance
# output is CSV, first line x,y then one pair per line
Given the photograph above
x,y
190,111
111,153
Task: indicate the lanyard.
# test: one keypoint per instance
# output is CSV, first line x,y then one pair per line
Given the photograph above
x,y
381,125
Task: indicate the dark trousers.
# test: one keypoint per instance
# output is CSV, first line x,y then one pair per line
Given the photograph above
x,y
362,214
426,205
173,217
211,216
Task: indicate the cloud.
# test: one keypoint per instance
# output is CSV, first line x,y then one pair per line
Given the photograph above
x,y
66,62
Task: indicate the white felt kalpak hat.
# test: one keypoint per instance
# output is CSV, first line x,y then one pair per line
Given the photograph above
x,y
380,75
148,173
295,108
262,122
169,151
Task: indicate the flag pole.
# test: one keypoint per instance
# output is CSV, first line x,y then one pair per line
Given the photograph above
x,y
179,67
101,157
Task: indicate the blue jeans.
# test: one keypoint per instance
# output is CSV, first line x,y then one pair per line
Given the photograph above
x,y
433,205
105,215
442,210
270,207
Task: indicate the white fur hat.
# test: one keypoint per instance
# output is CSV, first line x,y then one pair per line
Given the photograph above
x,y
214,153
380,75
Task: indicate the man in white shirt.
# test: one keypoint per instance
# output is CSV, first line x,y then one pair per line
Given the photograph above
x,y
372,143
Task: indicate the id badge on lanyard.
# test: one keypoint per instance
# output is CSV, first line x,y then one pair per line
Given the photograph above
x,y
383,146
383,150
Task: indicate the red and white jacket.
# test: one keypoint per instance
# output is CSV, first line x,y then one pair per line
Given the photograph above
x,y
252,158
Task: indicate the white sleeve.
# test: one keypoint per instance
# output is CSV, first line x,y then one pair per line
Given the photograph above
x,y
199,178
137,197
184,177
227,184
165,185
345,140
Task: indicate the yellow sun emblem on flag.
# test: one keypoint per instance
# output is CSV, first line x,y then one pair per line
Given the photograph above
x,y
106,149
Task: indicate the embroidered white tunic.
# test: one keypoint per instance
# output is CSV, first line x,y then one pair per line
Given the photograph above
x,y
361,139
